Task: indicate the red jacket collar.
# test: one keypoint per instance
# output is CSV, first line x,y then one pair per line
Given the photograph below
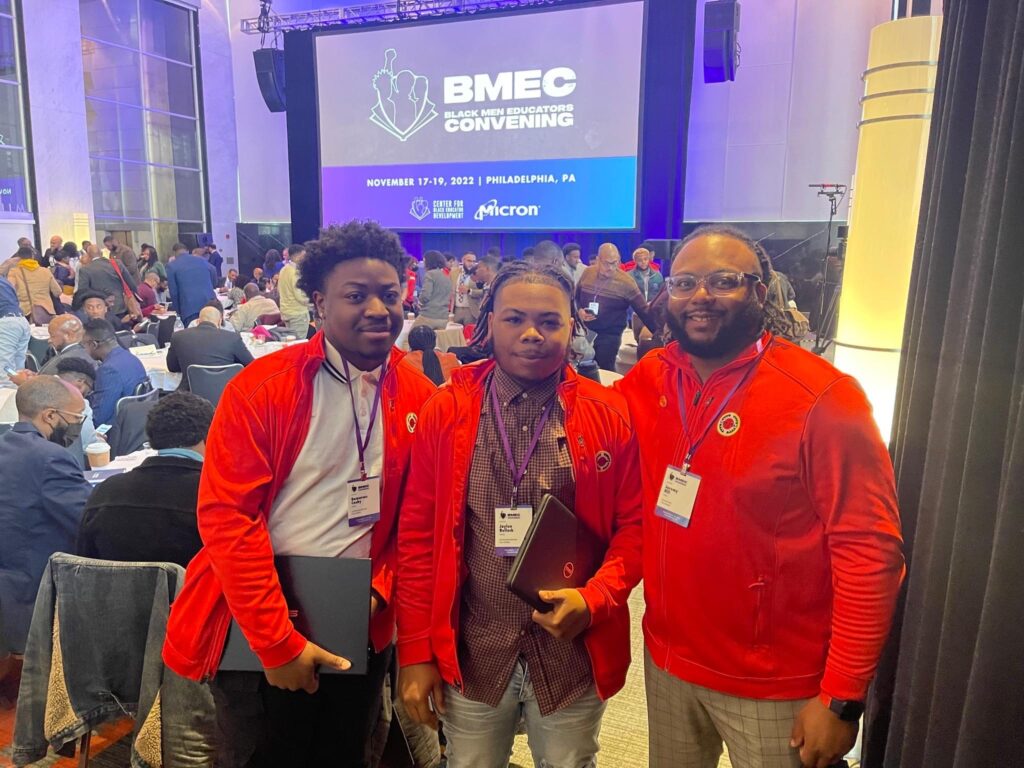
x,y
680,360
469,379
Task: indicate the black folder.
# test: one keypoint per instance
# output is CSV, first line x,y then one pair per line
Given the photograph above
x,y
558,552
328,602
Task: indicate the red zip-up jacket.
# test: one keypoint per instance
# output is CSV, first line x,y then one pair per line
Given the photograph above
x,y
784,583
432,530
258,431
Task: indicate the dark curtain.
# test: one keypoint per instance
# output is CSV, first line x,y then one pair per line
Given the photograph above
x,y
950,688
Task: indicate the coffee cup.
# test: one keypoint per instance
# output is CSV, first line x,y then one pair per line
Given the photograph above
x,y
98,454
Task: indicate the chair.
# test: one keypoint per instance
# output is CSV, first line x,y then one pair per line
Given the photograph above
x,y
164,330
128,434
142,388
39,348
271,318
146,395
80,674
31,363
208,381
124,338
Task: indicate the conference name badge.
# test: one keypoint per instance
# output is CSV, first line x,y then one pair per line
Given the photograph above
x,y
363,501
678,496
594,308
510,527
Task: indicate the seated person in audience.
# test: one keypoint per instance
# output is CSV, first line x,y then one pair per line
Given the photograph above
x,y
119,373
149,514
227,283
424,356
147,295
220,312
65,340
93,305
80,374
42,493
245,316
206,344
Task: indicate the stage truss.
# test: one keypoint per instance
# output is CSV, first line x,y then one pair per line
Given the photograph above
x,y
376,13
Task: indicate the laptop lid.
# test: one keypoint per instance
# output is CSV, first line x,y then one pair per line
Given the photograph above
x,y
557,552
328,602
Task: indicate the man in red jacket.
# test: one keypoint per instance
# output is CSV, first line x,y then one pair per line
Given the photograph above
x,y
290,434
772,548
489,446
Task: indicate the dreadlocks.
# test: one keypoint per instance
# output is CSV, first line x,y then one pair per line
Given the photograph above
x,y
519,272
774,318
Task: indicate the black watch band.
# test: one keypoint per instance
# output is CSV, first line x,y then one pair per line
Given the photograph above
x,y
846,710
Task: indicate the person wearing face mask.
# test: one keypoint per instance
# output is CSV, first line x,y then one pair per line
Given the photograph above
x,y
42,495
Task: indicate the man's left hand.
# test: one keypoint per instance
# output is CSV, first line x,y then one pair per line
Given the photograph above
x,y
570,617
375,605
821,736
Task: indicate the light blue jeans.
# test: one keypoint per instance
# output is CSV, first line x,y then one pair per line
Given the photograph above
x,y
14,336
480,736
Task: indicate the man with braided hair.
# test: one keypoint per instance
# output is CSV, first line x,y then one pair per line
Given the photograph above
x,y
503,433
772,548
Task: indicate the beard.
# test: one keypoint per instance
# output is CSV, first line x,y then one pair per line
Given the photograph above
x,y
741,331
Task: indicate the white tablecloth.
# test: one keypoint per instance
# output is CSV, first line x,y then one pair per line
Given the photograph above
x,y
8,412
161,378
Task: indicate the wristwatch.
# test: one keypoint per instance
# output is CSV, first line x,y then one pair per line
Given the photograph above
x,y
846,710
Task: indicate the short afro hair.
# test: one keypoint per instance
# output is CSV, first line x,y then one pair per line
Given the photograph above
x,y
76,365
180,420
355,240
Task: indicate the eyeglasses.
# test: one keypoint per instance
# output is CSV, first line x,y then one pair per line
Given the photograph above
x,y
717,283
76,418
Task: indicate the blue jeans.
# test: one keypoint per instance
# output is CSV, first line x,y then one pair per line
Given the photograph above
x,y
480,736
14,336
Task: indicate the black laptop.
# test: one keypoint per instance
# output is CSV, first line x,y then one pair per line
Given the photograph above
x,y
328,602
558,552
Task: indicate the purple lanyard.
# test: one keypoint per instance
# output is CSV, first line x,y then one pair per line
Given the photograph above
x,y
695,444
361,444
517,473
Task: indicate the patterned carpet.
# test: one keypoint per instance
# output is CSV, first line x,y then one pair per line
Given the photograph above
x,y
624,730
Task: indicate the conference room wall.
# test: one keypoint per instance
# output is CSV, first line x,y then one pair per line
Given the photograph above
x,y
789,119
791,115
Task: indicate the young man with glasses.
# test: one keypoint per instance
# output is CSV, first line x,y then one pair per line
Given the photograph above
x,y
772,547
42,494
604,294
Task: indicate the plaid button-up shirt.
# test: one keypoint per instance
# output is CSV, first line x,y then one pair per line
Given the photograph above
x,y
496,628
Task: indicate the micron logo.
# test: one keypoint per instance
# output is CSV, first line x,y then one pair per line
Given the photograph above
x,y
491,209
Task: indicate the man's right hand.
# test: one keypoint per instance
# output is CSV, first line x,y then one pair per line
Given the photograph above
x,y
22,376
299,674
417,684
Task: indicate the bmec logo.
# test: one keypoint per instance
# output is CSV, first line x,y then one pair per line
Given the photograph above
x,y
491,209
403,99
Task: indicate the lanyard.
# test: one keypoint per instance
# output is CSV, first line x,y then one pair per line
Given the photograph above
x,y
517,473
362,444
695,444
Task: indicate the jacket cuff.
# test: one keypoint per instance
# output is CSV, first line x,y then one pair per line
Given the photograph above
x,y
597,602
383,583
414,652
283,652
835,685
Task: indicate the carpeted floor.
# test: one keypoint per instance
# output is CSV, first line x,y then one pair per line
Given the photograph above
x,y
624,729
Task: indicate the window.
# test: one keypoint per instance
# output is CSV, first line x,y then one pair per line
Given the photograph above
x,y
15,200
142,115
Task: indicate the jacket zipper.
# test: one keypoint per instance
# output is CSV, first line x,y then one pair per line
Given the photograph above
x,y
760,586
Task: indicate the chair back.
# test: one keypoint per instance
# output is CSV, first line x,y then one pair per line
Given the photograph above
x,y
143,393
124,338
271,318
142,388
164,330
39,348
128,433
208,381
31,363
